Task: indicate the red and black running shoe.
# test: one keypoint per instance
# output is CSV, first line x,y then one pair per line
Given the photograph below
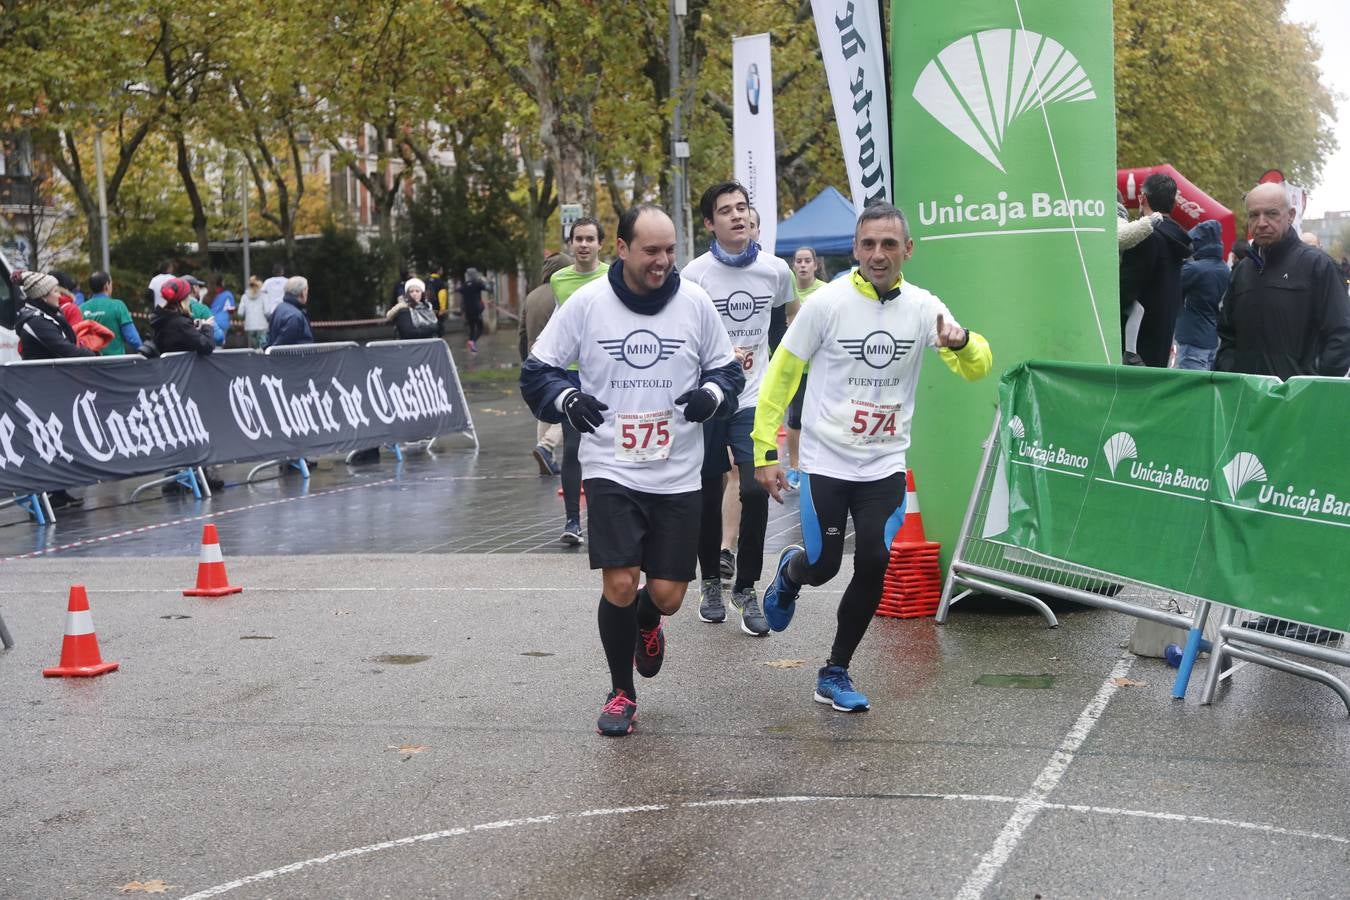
x,y
616,718
651,651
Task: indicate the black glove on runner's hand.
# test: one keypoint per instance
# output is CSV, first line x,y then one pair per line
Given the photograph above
x,y
583,411
699,404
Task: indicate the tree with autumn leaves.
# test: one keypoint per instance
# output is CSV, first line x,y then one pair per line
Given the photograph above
x,y
478,118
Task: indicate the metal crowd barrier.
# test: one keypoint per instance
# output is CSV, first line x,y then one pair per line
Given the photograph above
x,y
980,565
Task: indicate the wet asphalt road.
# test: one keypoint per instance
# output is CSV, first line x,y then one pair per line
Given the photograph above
x,y
401,704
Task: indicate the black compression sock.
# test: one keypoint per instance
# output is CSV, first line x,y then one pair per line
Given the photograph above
x,y
618,635
648,615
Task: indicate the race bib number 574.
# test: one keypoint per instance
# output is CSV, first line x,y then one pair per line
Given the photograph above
x,y
643,437
872,423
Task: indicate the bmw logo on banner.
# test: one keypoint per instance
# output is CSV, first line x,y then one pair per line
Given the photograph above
x,y
752,89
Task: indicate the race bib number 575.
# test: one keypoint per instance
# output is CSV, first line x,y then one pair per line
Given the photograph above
x,y
643,437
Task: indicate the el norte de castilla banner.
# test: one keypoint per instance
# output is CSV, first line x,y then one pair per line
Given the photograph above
x,y
78,422
853,50
1003,123
1233,488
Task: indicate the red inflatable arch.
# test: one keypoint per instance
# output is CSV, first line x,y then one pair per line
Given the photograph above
x,y
1193,205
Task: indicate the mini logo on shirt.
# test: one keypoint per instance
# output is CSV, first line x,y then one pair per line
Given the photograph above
x,y
879,349
641,349
741,305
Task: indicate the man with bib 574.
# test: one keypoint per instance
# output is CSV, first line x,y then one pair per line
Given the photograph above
x,y
863,336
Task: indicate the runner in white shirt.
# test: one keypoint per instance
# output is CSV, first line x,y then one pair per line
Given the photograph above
x,y
863,336
746,286
654,364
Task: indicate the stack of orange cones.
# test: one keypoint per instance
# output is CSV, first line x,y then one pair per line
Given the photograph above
x,y
913,585
211,578
79,650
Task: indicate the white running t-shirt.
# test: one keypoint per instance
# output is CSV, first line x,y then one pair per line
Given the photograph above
x,y
745,299
865,359
638,365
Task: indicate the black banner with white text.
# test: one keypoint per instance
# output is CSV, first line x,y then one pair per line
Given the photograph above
x,y
70,423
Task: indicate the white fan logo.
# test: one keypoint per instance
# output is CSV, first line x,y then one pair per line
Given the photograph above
x,y
1119,447
978,85
1241,470
1018,429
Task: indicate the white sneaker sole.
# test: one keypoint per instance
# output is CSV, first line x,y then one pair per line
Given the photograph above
x,y
571,540
748,630
703,618
821,698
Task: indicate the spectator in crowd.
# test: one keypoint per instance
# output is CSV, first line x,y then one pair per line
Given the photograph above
x,y
471,305
539,306
252,307
112,314
274,289
289,323
45,334
1345,268
173,328
1150,274
69,308
199,311
70,286
1204,278
1285,312
1311,239
412,315
435,295
222,302
1241,250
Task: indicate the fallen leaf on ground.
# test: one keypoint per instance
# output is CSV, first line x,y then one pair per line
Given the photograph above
x,y
409,748
342,612
1126,682
786,663
153,886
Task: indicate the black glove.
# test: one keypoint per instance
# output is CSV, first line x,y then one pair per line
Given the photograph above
x,y
583,411
148,349
699,404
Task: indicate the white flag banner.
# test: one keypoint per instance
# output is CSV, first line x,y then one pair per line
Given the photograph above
x,y
752,131
851,45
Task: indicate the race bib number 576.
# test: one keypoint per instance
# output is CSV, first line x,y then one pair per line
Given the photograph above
x,y
643,437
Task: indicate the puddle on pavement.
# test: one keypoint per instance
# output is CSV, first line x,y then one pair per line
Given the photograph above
x,y
256,637
1034,682
535,653
400,659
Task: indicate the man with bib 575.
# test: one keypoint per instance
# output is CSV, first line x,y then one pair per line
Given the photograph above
x,y
863,336
655,363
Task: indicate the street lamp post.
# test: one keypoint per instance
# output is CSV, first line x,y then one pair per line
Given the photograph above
x,y
243,200
679,148
102,198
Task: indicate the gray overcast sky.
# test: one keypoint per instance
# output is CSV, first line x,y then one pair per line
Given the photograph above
x,y
1332,21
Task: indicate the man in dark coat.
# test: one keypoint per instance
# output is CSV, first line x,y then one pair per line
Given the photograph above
x,y
289,324
1150,273
1204,278
1286,312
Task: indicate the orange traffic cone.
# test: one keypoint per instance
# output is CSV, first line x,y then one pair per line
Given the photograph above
x,y
79,650
911,530
211,578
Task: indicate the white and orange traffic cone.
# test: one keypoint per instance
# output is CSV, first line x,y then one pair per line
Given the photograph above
x,y
211,578
911,530
79,649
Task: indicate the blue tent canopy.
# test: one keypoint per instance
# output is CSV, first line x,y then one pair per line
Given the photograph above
x,y
825,223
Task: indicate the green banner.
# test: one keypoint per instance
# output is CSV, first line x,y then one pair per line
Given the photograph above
x,y
1003,118
1229,487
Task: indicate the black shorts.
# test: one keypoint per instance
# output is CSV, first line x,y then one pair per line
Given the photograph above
x,y
658,533
794,410
721,434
